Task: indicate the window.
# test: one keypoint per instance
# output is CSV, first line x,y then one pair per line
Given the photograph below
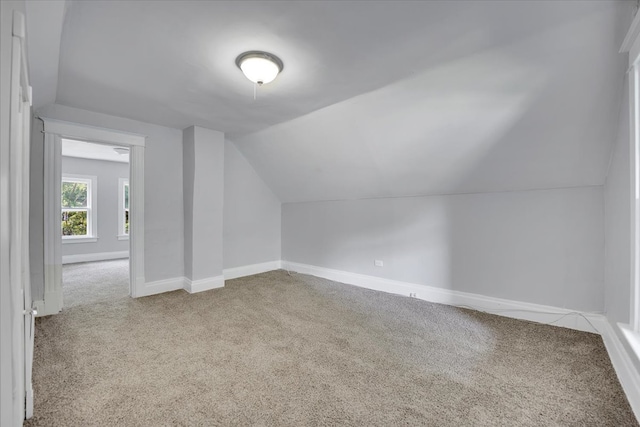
x,y
123,209
631,44
78,208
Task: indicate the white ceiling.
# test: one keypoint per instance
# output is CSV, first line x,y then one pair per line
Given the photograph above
x,y
376,99
89,150
537,111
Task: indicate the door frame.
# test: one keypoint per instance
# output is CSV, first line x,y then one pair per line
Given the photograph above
x,y
54,131
14,214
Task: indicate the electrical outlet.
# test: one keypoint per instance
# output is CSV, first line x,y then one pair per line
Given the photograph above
x,y
378,263
413,295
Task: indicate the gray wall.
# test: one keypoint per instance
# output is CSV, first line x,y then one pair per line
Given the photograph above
x,y
164,228
542,246
252,214
107,174
617,198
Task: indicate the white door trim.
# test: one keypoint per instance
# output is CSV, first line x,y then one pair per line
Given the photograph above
x,y
52,302
16,239
93,134
54,131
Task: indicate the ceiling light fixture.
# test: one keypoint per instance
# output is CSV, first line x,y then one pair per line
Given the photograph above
x,y
259,67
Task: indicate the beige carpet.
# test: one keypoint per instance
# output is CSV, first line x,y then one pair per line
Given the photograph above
x,y
280,350
92,282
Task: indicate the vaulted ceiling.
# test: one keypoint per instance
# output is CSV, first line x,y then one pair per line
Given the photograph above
x,y
376,98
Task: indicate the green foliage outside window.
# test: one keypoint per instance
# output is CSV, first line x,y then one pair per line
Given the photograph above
x,y
74,194
74,217
74,223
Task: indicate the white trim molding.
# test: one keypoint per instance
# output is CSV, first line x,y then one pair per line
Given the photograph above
x,y
193,286
250,270
136,218
176,283
76,239
54,131
98,256
621,360
93,133
161,286
52,231
556,316
631,45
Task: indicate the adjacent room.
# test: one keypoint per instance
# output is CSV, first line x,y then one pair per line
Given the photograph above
x,y
95,222
301,213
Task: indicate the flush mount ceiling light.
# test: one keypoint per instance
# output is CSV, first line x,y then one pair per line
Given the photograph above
x,y
259,67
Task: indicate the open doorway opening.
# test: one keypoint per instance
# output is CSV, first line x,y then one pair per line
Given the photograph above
x,y
54,132
94,222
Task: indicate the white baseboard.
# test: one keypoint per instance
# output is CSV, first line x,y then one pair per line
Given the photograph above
x,y
100,256
193,286
250,270
38,306
175,283
160,286
572,319
625,369
53,304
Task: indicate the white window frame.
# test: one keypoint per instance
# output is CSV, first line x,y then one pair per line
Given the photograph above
x,y
631,44
631,332
122,234
92,208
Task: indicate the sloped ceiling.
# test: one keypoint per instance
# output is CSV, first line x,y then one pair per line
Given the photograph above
x,y
44,27
537,110
383,98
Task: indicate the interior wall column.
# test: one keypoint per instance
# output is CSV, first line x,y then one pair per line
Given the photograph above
x,y
203,185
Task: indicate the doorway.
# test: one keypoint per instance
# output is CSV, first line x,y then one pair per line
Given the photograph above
x,y
73,233
94,222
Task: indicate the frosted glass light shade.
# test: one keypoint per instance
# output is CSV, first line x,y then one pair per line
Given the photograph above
x,y
259,67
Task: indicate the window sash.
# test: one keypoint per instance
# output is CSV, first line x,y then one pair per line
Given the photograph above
x,y
88,226
90,182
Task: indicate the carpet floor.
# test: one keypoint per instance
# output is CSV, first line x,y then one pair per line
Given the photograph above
x,y
292,350
94,282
